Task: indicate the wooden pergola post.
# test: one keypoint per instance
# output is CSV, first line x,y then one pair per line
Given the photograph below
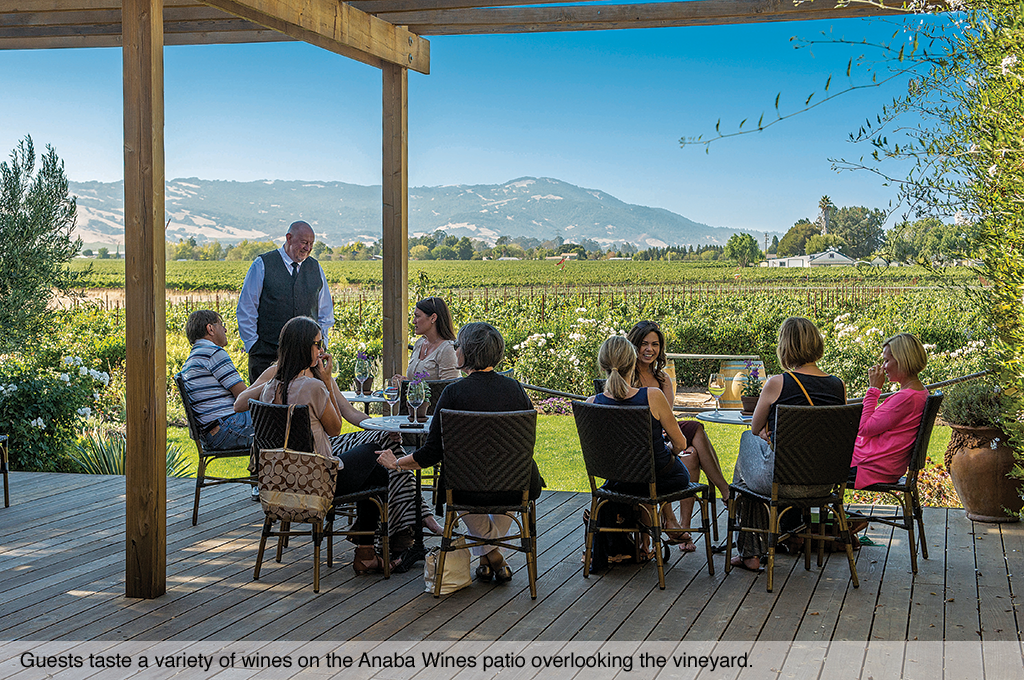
x,y
142,26
395,232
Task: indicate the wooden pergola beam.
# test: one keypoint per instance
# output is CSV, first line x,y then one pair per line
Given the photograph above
x,y
337,27
145,462
578,17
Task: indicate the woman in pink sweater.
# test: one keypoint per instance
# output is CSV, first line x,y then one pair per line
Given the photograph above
x,y
887,431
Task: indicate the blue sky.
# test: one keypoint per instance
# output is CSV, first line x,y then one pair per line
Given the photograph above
x,y
601,109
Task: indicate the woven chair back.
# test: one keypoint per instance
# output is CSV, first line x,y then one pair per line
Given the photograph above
x,y
919,454
269,422
434,389
190,414
616,441
814,444
488,452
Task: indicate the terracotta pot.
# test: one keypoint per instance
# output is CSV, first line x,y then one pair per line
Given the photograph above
x,y
978,460
748,404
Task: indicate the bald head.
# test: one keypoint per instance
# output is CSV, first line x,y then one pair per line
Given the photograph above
x,y
298,242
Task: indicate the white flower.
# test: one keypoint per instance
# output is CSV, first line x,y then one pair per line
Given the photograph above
x,y
993,170
85,411
960,220
1007,64
577,336
68,360
65,377
580,310
38,422
95,396
83,371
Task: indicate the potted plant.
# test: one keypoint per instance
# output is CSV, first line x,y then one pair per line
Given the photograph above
x,y
752,384
978,456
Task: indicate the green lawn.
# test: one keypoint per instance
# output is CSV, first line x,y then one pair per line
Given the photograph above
x,y
557,453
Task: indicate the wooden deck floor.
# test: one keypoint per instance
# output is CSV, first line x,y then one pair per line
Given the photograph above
x,y
62,578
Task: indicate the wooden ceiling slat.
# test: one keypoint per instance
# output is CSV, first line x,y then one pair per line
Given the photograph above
x,y
191,38
603,17
179,27
105,16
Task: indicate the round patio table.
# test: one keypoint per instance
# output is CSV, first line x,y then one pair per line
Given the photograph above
x,y
725,417
419,430
364,399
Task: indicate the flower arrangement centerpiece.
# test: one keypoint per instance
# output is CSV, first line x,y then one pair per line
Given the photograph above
x,y
752,384
418,377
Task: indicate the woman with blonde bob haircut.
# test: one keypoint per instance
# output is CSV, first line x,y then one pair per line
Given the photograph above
x,y
888,430
802,383
617,359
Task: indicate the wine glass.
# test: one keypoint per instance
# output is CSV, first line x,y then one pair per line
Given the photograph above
x,y
362,373
391,395
416,396
716,386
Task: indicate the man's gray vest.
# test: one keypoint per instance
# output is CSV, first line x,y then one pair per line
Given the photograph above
x,y
284,297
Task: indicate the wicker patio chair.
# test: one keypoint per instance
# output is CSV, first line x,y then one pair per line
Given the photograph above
x,y
616,443
5,465
207,456
271,423
905,490
490,453
813,447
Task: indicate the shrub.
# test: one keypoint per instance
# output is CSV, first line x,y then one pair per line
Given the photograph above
x,y
978,403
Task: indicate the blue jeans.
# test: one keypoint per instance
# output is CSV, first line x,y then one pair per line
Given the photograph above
x,y
235,432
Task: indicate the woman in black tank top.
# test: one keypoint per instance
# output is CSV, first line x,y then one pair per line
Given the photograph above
x,y
799,348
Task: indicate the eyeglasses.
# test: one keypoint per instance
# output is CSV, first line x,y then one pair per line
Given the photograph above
x,y
455,345
321,344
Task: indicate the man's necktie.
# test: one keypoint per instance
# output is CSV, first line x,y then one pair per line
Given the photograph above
x,y
295,269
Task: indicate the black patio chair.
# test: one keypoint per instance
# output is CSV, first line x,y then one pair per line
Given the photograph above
x,y
490,453
5,466
271,424
813,447
599,384
905,490
207,456
616,443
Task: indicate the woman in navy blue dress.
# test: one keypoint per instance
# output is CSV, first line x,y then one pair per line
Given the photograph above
x,y
617,359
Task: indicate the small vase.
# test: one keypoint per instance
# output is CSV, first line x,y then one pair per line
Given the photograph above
x,y
748,404
978,460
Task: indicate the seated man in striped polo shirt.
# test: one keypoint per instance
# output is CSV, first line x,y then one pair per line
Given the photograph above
x,y
212,383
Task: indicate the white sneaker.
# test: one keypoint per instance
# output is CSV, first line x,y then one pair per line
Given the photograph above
x,y
255,493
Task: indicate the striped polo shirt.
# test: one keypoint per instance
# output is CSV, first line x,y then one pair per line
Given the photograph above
x,y
209,376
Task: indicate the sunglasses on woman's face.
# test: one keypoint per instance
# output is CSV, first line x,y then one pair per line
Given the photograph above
x,y
321,344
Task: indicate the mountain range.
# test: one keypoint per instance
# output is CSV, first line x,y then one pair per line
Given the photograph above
x,y
340,213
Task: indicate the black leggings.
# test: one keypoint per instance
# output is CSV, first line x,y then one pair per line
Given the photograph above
x,y
361,471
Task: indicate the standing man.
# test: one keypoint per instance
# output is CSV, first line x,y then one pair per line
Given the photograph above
x,y
282,284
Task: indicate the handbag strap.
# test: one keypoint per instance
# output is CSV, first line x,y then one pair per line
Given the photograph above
x,y
793,375
288,425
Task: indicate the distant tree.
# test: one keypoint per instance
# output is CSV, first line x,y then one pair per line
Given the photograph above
x,y
818,243
37,218
929,239
318,248
250,250
420,252
444,253
465,248
87,252
103,253
211,251
774,247
825,212
742,248
860,228
793,241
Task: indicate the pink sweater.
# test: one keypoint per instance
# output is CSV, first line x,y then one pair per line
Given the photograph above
x,y
886,435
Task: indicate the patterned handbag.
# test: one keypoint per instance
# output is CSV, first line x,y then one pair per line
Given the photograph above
x,y
296,486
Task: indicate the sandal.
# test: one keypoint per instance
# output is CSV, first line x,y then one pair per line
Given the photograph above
x,y
741,562
484,573
367,561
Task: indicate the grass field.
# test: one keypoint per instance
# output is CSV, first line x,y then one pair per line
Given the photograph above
x,y
558,451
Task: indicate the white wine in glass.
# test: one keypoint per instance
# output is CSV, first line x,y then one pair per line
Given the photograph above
x,y
716,386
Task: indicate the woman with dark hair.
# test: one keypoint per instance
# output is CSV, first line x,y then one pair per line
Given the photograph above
x,y
302,375
799,348
617,358
479,348
649,342
433,355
